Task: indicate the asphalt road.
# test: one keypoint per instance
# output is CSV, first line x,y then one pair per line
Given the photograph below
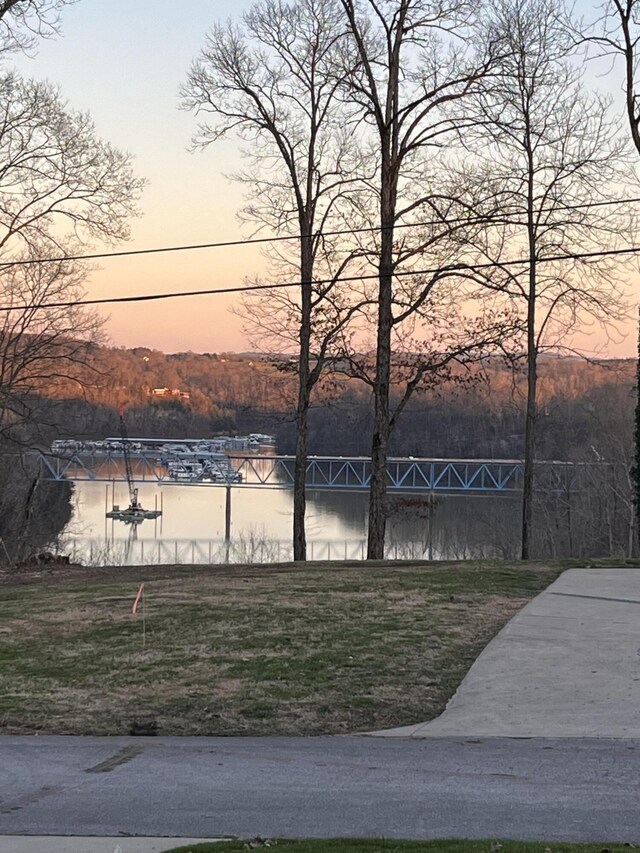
x,y
551,789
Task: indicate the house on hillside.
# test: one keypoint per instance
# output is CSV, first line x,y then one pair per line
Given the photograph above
x,y
170,392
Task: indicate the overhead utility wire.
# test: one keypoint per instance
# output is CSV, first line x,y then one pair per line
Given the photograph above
x,y
189,247
452,268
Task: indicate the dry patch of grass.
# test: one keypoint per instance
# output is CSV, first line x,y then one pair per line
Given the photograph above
x,y
380,845
302,651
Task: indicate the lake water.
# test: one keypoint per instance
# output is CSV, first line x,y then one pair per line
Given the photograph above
x,y
192,526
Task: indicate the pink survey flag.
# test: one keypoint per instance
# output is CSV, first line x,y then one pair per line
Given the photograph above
x,y
138,597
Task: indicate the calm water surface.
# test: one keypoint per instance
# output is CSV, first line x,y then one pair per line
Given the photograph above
x,y
192,526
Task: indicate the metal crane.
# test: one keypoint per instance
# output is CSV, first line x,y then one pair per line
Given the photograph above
x,y
134,514
133,492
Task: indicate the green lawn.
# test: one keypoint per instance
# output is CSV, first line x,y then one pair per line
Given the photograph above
x,y
249,651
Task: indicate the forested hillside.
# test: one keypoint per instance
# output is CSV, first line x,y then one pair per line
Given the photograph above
x,y
581,404
586,415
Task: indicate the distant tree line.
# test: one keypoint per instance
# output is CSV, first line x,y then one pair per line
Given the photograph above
x,y
249,393
586,416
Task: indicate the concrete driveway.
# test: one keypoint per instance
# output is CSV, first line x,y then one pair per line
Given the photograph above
x,y
567,665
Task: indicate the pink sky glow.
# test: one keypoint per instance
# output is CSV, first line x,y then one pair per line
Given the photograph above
x,y
123,62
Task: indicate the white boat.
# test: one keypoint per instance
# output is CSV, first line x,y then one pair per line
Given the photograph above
x,y
184,470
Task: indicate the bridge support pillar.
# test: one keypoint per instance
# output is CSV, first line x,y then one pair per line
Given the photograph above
x,y
227,514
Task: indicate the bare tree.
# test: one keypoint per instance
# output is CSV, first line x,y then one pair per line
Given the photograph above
x,y
416,60
273,82
616,34
584,505
41,349
556,154
61,187
23,22
437,344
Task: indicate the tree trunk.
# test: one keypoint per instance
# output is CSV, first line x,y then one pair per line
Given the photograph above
x,y
532,380
529,455
636,467
379,451
300,472
382,417
302,408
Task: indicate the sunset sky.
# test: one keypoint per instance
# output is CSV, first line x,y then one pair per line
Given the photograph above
x,y
123,62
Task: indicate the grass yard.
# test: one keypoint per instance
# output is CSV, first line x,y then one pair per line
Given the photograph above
x,y
361,845
248,651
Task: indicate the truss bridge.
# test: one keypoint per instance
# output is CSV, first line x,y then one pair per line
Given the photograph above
x,y
323,472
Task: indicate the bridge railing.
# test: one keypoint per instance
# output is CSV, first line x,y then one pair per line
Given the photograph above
x,y
96,551
323,472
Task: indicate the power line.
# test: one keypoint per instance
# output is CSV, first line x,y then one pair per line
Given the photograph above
x,y
453,268
189,247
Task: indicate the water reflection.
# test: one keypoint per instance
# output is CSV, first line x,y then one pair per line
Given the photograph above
x,y
192,526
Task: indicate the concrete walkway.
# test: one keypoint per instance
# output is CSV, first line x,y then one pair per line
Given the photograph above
x,y
567,665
